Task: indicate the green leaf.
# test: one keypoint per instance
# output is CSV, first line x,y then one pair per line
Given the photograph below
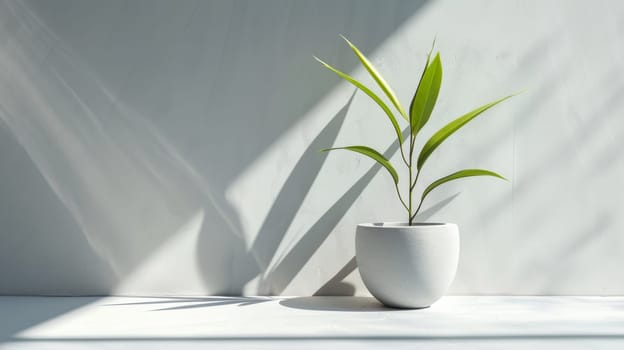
x,y
458,175
450,128
370,94
367,151
426,94
420,80
378,78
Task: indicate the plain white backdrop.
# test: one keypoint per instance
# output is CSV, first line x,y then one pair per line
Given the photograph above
x,y
160,147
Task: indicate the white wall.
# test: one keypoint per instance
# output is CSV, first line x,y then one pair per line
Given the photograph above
x,y
161,147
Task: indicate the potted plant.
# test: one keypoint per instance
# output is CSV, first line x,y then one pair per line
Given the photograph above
x,y
409,264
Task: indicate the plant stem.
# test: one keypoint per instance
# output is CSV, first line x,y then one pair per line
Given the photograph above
x,y
409,211
409,185
415,180
401,198
417,210
403,155
411,192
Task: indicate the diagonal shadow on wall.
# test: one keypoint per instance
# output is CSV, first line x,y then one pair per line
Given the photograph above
x,y
295,189
281,214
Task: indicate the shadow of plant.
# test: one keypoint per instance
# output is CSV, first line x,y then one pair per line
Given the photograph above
x,y
197,302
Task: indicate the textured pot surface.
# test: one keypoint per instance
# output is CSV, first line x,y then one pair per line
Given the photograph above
x,y
407,266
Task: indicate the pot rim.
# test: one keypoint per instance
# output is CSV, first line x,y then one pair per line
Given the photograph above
x,y
404,225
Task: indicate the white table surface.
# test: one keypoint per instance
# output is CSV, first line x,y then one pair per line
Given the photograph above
x,y
309,323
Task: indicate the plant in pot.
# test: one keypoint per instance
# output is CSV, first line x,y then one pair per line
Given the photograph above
x,y
409,264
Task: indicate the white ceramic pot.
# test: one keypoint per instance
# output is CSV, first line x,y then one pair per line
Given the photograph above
x,y
407,266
